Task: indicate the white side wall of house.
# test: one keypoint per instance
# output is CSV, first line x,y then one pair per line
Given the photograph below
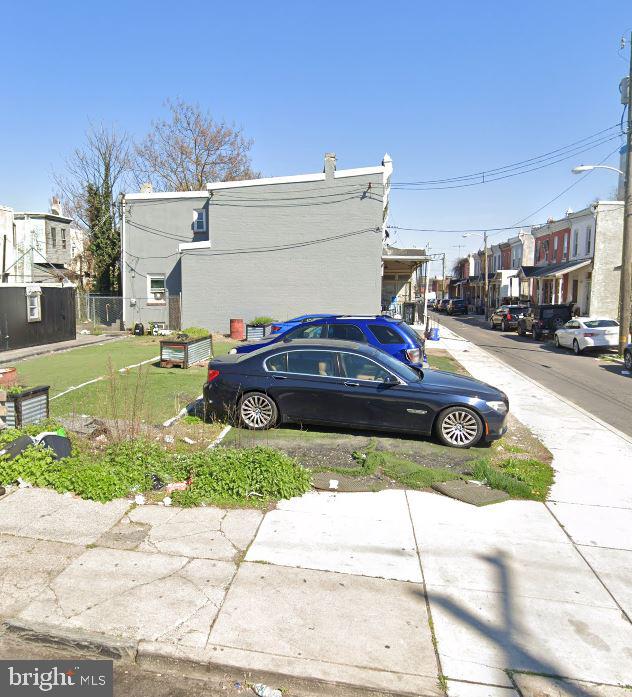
x,y
30,232
604,299
6,233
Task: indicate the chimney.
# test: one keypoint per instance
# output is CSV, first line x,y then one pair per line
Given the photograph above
x,y
330,165
55,206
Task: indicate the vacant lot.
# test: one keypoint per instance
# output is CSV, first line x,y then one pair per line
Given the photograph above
x,y
153,392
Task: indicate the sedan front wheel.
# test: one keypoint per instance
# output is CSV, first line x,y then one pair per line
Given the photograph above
x,y
257,411
459,427
627,360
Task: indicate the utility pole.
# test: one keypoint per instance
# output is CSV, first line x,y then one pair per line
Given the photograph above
x,y
443,276
486,279
625,293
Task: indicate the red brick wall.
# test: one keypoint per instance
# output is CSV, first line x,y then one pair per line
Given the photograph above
x,y
558,258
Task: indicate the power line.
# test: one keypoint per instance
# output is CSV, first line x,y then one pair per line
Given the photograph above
x,y
408,187
258,250
517,165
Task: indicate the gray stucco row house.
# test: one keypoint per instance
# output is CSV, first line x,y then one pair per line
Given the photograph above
x,y
279,246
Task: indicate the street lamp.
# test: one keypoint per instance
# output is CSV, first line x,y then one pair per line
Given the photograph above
x,y
626,242
580,169
484,236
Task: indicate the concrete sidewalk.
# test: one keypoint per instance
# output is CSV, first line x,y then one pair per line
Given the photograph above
x,y
15,355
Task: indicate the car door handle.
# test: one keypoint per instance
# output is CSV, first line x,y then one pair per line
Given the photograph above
x,y
352,384
280,377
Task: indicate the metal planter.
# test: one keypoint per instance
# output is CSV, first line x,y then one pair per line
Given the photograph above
x,y
257,331
182,353
27,407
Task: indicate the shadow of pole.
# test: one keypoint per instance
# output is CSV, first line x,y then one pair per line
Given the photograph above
x,y
506,634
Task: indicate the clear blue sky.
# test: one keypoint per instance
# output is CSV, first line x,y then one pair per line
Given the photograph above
x,y
446,88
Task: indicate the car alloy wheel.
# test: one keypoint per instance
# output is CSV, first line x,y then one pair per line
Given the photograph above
x,y
534,334
576,349
460,427
505,326
257,411
627,360
491,324
556,341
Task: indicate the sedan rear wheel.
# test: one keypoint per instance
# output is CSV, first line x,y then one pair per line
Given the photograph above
x,y
257,411
576,349
459,427
556,340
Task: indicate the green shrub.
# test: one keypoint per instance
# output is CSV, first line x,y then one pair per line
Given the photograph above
x,y
233,476
261,321
196,332
256,475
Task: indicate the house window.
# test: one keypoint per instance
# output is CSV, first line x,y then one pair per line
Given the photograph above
x,y
545,248
575,242
555,245
53,237
156,291
537,251
63,238
588,240
199,222
565,247
34,307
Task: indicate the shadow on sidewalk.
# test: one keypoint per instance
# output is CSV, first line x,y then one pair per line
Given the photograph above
x,y
507,633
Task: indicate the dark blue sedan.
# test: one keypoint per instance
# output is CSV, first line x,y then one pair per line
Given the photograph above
x,y
351,385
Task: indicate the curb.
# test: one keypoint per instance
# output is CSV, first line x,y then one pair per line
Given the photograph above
x,y
229,665
161,657
77,640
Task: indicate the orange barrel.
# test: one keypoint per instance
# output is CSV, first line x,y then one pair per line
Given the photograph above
x,y
237,329
8,377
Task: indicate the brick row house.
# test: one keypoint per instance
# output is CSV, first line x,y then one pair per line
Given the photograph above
x,y
576,259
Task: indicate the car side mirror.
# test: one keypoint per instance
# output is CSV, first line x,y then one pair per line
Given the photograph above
x,y
390,380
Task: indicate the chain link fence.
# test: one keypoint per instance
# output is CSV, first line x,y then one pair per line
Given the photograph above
x,y
105,312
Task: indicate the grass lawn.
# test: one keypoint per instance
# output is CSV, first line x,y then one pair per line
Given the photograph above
x,y
440,359
156,393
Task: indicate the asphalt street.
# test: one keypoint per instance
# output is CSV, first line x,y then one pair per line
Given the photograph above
x,y
593,383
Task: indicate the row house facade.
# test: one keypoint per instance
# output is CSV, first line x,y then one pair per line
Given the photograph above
x,y
574,260
577,260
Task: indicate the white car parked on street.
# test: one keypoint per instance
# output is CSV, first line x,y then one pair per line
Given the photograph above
x,y
581,333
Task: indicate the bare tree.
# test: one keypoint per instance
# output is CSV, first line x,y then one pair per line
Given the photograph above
x,y
190,148
95,174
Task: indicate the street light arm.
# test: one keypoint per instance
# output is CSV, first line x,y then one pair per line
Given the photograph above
x,y
589,168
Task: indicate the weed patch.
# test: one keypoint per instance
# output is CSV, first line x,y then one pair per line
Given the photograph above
x,y
520,478
254,476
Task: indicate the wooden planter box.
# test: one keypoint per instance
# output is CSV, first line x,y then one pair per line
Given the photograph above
x,y
257,331
27,407
182,353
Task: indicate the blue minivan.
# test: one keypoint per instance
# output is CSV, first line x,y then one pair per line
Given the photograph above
x,y
394,336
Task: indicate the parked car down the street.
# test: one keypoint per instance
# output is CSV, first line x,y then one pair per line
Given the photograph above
x,y
442,305
506,317
390,335
627,357
543,320
584,333
457,306
351,385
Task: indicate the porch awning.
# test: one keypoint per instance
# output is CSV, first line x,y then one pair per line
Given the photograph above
x,y
556,270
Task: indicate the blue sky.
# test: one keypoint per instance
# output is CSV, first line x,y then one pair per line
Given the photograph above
x,y
446,88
